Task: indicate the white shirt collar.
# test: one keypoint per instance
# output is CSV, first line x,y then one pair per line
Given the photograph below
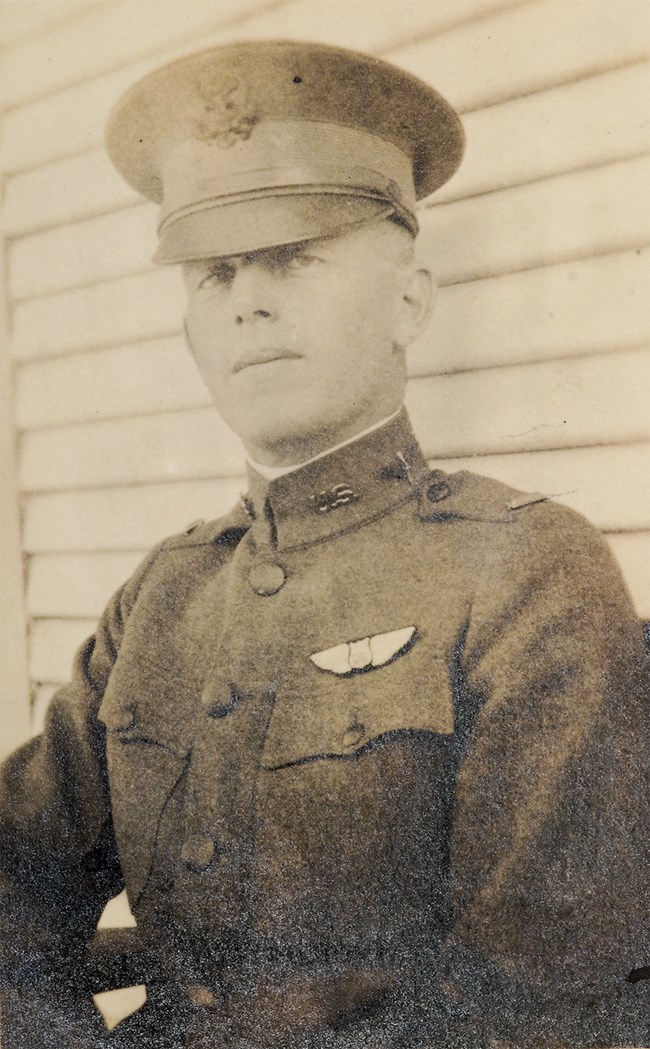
x,y
271,472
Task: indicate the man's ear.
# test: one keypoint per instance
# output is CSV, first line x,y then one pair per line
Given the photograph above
x,y
416,306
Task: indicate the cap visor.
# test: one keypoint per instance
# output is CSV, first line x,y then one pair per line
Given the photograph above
x,y
266,222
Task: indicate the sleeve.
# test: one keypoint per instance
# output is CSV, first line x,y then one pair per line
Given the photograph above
x,y
550,864
58,859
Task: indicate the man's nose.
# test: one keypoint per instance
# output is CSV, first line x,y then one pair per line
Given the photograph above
x,y
253,294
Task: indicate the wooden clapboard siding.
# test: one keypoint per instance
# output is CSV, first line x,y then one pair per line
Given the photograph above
x,y
60,57
549,312
366,25
569,128
62,192
553,404
546,313
63,124
152,376
122,310
160,447
607,484
570,216
69,117
83,253
14,685
131,518
77,585
19,21
632,551
53,644
565,129
529,47
454,415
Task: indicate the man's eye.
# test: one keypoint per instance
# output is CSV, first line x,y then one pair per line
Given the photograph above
x,y
218,276
295,260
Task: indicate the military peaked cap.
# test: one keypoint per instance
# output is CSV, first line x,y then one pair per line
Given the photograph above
x,y
253,145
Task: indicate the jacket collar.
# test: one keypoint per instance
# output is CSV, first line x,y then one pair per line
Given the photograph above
x,y
338,492
352,486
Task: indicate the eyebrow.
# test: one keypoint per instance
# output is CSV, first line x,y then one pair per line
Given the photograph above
x,y
249,258
269,254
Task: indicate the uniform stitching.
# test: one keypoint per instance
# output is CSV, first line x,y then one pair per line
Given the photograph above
x,y
350,528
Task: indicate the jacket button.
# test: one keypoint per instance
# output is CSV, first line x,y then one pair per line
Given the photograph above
x,y
197,853
354,734
267,578
438,491
201,996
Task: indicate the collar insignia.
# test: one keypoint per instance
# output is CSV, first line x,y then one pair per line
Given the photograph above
x,y
331,498
367,653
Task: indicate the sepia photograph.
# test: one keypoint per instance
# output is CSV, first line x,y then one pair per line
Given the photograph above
x,y
325,524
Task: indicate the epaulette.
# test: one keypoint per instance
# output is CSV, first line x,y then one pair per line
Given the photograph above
x,y
228,529
471,497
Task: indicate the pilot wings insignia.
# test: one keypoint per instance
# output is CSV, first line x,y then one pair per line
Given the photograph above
x,y
367,653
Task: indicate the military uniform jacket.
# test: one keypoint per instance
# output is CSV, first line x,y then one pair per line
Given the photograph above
x,y
368,758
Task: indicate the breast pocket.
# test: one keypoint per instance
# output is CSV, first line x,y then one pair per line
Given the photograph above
x,y
147,754
320,713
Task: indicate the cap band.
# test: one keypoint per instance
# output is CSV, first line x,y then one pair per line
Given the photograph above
x,y
285,157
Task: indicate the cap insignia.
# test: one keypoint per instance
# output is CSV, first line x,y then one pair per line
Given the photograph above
x,y
229,113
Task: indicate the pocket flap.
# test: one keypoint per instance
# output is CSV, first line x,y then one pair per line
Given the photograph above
x,y
319,714
162,723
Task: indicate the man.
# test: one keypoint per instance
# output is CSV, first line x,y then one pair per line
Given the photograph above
x,y
367,753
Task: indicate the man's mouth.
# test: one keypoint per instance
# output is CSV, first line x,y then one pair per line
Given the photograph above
x,y
250,360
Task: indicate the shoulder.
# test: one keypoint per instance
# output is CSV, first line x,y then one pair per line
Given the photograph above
x,y
520,528
530,542
224,531
471,496
169,557
539,569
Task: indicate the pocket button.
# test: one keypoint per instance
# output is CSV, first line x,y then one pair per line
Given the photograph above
x,y
197,853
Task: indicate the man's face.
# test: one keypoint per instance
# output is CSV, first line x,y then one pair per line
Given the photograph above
x,y
302,346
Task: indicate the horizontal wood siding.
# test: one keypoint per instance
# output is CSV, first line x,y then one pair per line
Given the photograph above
x,y
535,369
